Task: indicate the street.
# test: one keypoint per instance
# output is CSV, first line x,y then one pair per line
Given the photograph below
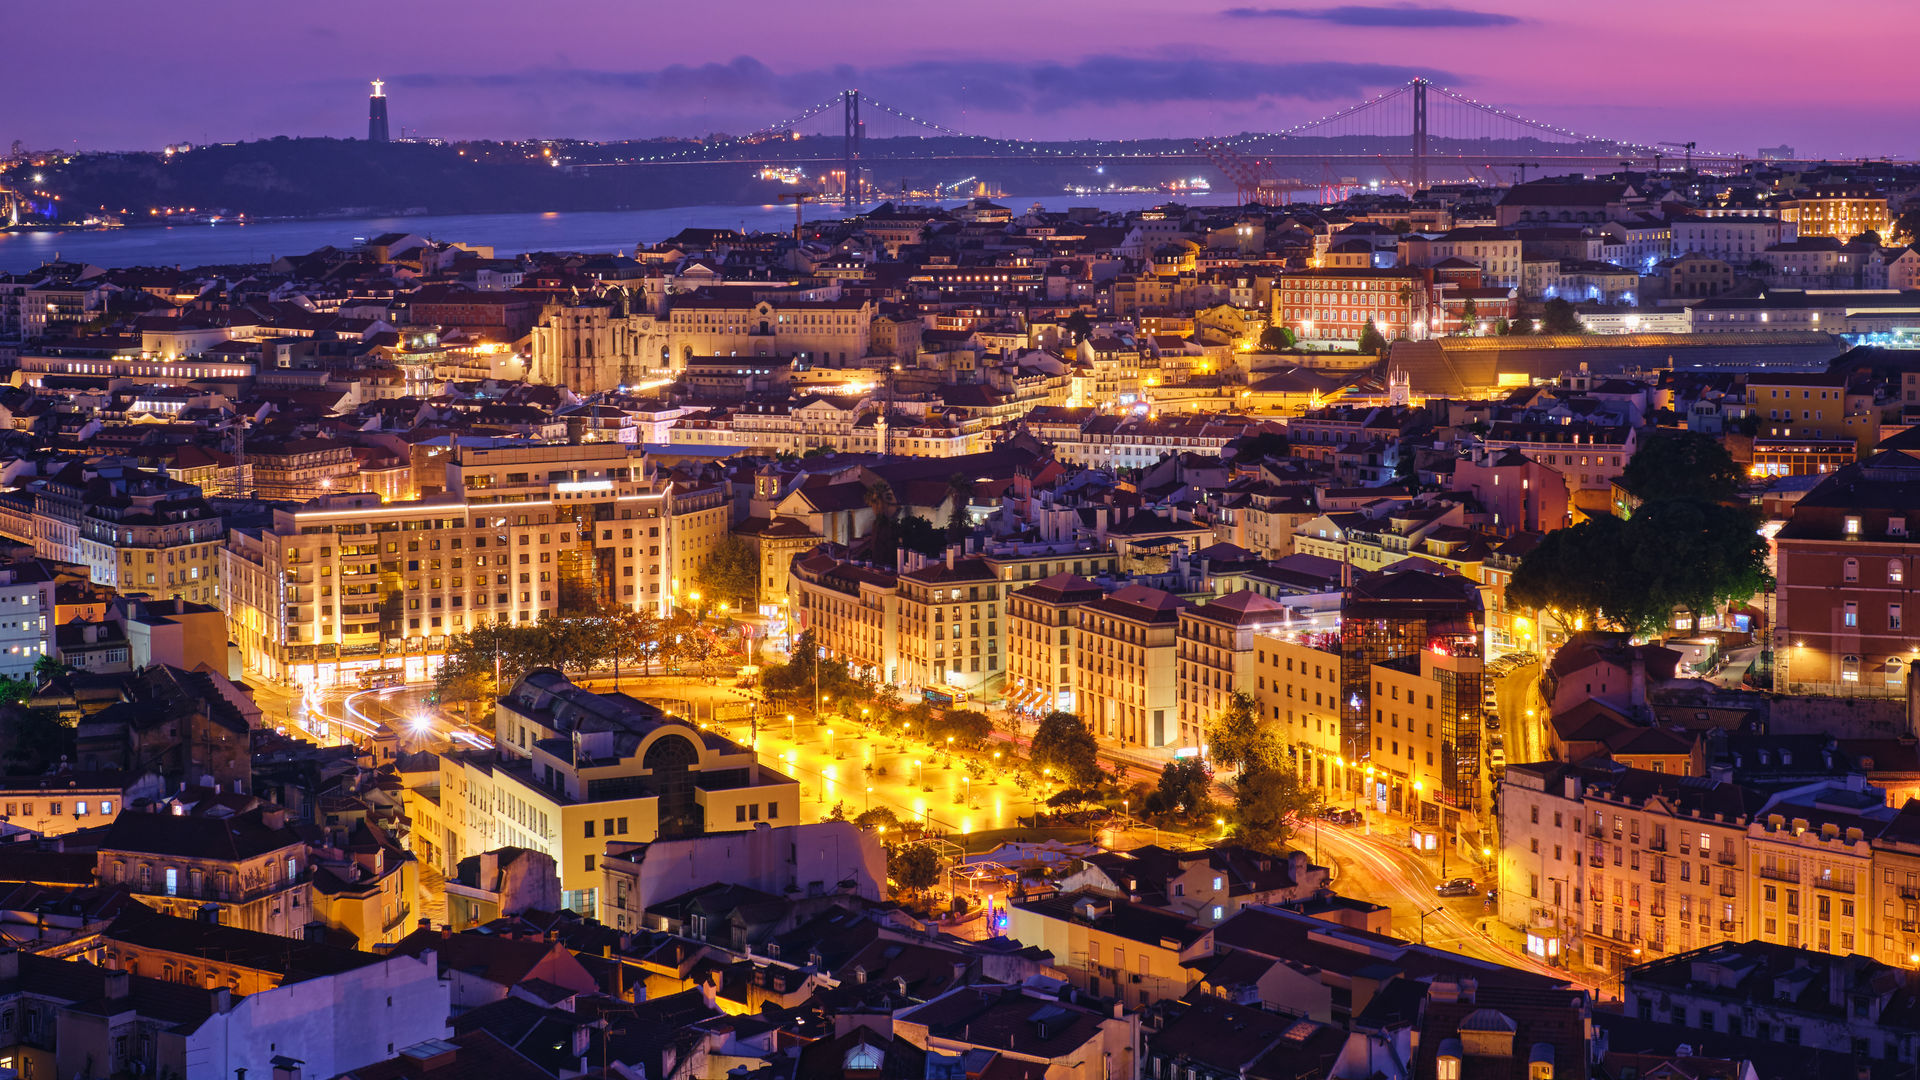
x,y
842,762
1376,867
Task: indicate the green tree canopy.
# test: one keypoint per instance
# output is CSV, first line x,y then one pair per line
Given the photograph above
x,y
1558,316
1235,737
1185,789
1276,339
1672,554
731,573
913,867
1061,742
1681,464
1371,340
968,728
1267,802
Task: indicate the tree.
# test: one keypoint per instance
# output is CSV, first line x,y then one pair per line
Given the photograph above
x,y
1559,317
918,535
968,728
1266,804
1906,227
913,867
886,525
1185,789
1681,464
1276,339
1234,737
1672,554
1370,339
960,494
878,818
32,741
1079,324
731,573
1062,743
1469,311
1261,447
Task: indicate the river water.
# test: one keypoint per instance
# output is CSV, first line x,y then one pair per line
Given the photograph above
x,y
509,234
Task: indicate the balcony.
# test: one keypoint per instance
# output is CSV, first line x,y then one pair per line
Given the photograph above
x,y
1789,874
1728,889
1844,885
1726,926
1726,858
1909,892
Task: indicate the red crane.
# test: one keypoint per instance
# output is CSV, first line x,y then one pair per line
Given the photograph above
x,y
1254,179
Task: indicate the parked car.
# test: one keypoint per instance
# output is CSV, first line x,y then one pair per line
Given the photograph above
x,y
1460,886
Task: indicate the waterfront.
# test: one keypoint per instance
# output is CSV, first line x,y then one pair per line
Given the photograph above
x,y
509,234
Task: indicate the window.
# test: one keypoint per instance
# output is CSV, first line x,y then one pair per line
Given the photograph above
x,y
1851,570
1893,616
173,882
1216,912
589,828
1852,614
1896,573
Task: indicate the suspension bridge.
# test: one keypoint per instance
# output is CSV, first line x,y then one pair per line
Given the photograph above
x,y
1408,136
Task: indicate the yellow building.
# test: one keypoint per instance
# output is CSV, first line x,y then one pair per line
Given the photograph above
x,y
1113,948
1840,212
1043,623
575,770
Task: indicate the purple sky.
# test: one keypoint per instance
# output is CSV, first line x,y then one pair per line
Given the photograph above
x,y
120,74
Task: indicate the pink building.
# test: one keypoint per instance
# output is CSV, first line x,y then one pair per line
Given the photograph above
x,y
1520,494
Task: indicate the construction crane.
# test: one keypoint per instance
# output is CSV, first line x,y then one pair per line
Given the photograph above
x,y
1687,146
1254,179
1521,168
799,199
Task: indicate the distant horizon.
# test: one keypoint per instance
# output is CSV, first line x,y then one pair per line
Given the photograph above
x,y
1732,79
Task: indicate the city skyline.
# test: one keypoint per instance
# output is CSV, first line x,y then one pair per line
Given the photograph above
x,y
1069,70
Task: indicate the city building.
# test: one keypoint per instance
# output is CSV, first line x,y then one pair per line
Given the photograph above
x,y
345,585
1844,563
231,856
575,771
1126,675
1215,658
1043,624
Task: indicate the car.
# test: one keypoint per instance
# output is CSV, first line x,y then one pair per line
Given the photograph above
x,y
1460,886
1347,818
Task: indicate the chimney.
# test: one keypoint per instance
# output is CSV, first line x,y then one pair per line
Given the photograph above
x,y
116,985
286,1068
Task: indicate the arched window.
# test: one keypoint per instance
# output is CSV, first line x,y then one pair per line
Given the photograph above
x,y
1896,573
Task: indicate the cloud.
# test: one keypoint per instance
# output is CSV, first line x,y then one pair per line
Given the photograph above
x,y
1397,16
947,91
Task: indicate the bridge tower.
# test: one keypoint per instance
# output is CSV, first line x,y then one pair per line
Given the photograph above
x,y
1417,174
855,134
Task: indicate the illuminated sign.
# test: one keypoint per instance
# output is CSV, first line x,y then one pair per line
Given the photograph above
x,y
584,485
